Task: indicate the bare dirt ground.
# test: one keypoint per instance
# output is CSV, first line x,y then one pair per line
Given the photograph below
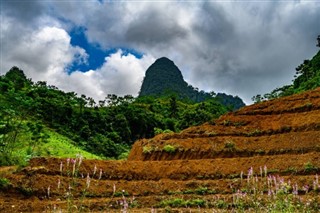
x,y
206,169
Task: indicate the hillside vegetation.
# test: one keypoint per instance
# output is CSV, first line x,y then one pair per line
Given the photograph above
x,y
32,113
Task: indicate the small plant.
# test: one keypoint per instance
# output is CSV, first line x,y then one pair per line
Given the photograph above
x,y
4,183
201,190
188,191
169,148
147,149
255,132
167,131
26,191
221,204
229,145
227,123
292,170
158,131
121,193
309,167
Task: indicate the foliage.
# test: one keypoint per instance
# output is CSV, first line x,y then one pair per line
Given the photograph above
x,y
309,167
4,183
229,145
31,111
169,148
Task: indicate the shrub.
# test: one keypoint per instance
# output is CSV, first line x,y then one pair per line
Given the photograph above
x,y
169,148
147,149
4,183
230,146
309,167
201,190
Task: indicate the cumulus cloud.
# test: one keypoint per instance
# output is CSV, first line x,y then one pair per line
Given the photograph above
x,y
43,54
242,48
120,74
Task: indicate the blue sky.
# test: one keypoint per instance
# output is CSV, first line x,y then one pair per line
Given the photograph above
x,y
100,47
96,54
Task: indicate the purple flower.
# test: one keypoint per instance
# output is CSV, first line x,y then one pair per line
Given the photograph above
x,y
59,183
100,174
88,181
61,165
94,170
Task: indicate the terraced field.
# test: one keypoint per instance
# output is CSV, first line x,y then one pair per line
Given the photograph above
x,y
264,157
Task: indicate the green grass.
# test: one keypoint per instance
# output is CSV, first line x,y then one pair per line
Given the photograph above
x,y
61,146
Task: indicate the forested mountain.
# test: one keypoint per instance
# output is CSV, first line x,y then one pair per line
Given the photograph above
x,y
163,78
307,77
107,128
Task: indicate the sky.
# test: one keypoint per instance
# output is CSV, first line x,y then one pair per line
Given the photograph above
x,y
104,47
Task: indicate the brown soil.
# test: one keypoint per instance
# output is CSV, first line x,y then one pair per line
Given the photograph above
x,y
207,163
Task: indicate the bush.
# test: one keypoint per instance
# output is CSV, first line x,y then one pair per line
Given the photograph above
x,y
147,149
169,148
4,183
229,145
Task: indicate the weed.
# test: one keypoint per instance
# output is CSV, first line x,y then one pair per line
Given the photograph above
x,y
26,191
121,193
201,190
211,134
309,167
292,170
260,151
169,148
255,132
226,123
221,204
188,191
229,145
147,149
4,183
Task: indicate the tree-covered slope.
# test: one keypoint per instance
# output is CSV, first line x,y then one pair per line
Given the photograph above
x,y
107,128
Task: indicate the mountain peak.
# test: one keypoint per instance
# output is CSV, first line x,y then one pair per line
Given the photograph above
x,y
162,76
164,59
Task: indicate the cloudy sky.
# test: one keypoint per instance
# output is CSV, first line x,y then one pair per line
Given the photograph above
x,y
102,47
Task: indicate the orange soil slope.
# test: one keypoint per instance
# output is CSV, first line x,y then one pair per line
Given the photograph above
x,y
206,166
286,125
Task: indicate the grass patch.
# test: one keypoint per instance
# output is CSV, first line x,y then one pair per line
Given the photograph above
x,y
60,146
169,148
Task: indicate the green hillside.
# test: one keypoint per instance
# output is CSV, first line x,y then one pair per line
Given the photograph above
x,y
40,120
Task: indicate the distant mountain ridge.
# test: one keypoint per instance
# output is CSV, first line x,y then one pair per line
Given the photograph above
x,y
163,77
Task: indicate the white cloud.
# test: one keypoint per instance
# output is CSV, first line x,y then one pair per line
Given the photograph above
x,y
42,54
120,74
242,48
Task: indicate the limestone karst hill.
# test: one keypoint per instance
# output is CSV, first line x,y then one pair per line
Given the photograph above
x,y
261,157
164,78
